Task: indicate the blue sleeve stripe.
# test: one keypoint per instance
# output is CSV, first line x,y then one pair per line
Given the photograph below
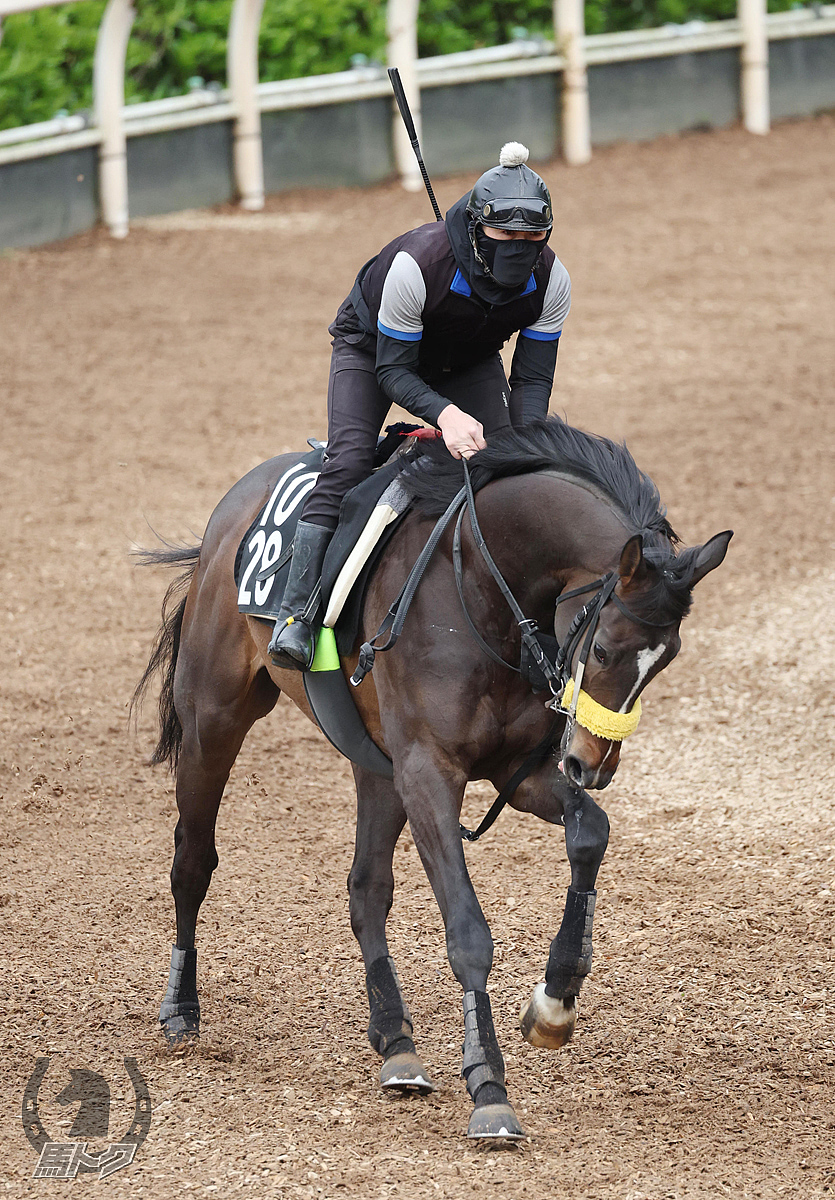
x,y
399,334
538,336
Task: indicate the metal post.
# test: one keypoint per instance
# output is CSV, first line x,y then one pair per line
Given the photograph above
x,y
754,77
569,36
401,27
242,72
108,102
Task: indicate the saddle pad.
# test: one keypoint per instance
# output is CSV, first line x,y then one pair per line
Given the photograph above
x,y
262,564
368,516
366,520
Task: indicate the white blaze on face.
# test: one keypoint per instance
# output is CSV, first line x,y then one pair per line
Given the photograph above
x,y
646,661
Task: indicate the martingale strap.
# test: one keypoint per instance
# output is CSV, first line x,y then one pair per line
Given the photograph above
x,y
538,755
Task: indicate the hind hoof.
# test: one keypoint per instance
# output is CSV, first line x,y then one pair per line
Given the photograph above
x,y
405,1073
180,1030
497,1122
546,1021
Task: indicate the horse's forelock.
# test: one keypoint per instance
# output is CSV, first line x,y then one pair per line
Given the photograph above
x,y
669,594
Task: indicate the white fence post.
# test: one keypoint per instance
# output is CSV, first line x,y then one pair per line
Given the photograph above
x,y
569,35
754,78
242,74
401,28
109,100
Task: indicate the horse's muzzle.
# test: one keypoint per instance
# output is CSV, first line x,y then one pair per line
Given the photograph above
x,y
588,762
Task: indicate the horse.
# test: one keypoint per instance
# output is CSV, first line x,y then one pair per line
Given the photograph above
x,y
567,526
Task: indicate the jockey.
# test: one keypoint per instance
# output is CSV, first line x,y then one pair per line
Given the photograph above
x,y
422,327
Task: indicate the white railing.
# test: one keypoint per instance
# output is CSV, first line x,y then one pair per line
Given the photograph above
x,y
243,102
113,122
44,129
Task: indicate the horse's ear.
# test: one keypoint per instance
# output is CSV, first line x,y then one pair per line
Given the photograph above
x,y
631,565
710,555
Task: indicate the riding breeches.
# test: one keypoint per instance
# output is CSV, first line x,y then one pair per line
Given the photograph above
x,y
357,408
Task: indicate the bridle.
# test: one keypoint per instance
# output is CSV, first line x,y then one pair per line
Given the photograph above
x,y
567,695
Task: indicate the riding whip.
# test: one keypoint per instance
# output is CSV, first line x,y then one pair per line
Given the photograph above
x,y
405,112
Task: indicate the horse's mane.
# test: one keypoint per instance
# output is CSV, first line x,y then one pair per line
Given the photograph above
x,y
551,445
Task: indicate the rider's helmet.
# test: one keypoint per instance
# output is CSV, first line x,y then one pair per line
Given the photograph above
x,y
511,195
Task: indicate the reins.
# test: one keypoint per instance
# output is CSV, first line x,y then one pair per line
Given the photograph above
x,y
527,627
393,621
557,674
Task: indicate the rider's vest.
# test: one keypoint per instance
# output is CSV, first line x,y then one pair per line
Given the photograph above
x,y
457,328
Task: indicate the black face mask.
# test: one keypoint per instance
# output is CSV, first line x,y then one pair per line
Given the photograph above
x,y
509,262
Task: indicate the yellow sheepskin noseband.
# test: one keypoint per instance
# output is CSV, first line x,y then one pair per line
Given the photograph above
x,y
600,721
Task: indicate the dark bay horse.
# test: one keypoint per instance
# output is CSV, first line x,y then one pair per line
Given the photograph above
x,y
562,513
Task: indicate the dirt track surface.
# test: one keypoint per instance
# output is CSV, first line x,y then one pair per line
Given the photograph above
x,y
140,380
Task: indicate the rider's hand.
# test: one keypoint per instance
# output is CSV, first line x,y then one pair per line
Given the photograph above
x,y
462,434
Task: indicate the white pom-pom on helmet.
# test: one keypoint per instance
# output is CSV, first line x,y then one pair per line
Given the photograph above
x,y
513,154
512,196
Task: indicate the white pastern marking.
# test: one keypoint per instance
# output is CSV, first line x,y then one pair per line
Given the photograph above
x,y
551,1010
646,661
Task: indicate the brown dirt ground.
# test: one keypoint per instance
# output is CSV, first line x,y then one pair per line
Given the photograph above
x,y
140,380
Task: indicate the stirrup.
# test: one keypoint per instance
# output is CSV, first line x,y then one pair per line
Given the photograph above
x,y
299,634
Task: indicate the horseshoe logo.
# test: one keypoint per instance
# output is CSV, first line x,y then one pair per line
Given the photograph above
x,y
92,1120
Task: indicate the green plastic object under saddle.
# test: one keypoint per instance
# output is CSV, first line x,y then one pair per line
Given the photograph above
x,y
326,657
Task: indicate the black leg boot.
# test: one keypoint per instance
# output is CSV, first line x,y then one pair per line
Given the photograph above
x,y
293,642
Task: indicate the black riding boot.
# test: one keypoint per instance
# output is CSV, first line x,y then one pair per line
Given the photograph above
x,y
293,642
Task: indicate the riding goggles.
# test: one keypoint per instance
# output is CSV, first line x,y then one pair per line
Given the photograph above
x,y
528,214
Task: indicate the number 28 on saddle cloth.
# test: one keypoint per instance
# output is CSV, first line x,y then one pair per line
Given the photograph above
x,y
367,518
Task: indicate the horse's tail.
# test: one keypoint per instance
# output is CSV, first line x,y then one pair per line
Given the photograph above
x,y
166,647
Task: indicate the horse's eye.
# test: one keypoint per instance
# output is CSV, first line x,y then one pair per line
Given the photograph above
x,y
599,653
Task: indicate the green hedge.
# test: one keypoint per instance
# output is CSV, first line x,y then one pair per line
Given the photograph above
x,y
46,57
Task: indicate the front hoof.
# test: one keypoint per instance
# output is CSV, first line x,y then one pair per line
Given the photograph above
x,y
546,1021
496,1121
405,1073
179,1030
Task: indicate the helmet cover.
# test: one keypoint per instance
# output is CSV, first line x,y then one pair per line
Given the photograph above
x,y
512,196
